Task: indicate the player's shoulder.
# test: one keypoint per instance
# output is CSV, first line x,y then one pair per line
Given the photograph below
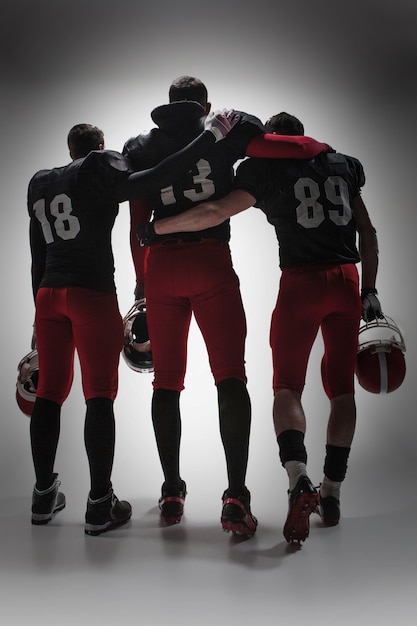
x,y
46,176
340,156
336,160
106,160
136,141
137,149
39,176
353,164
344,165
250,119
248,127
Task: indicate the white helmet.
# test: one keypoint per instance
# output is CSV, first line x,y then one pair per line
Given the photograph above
x,y
380,362
137,348
27,382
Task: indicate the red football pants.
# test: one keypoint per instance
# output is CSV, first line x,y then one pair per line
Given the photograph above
x,y
69,319
309,299
186,278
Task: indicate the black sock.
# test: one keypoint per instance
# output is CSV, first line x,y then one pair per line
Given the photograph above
x,y
44,435
99,438
335,462
235,421
167,427
291,446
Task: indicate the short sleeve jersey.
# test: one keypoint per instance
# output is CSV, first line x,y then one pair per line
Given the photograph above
x,y
72,211
210,178
308,203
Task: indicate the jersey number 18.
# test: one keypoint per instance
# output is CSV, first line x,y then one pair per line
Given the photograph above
x,y
63,224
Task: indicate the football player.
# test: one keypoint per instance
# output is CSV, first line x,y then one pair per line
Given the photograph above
x,y
193,275
317,211
72,210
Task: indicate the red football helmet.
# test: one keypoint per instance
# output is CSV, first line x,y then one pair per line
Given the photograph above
x,y
27,382
136,350
380,362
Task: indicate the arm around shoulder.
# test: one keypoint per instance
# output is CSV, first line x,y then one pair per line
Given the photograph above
x,y
271,146
206,214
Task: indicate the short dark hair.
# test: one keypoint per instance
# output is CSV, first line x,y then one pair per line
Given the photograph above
x,y
188,88
82,138
284,124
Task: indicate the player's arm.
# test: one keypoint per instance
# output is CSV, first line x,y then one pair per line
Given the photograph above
x,y
206,214
368,250
146,182
38,252
273,146
140,213
368,243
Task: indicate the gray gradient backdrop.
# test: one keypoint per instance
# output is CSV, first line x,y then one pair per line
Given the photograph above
x,y
348,70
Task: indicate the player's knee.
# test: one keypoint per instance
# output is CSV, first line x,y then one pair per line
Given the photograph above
x,y
233,395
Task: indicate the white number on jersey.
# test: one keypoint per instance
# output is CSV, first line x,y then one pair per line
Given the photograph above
x,y
310,212
64,224
204,187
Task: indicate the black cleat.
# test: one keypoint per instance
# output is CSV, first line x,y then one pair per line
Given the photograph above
x,y
329,509
106,514
171,503
303,500
236,514
46,504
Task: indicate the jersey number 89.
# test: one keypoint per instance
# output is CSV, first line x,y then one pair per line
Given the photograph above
x,y
310,212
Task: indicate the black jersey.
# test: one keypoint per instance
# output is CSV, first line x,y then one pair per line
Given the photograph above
x,y
72,211
210,178
308,203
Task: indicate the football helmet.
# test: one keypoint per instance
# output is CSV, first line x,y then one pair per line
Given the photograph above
x,y
137,348
27,382
380,362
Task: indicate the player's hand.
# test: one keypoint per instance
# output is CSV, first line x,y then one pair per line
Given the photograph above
x,y
221,122
146,234
371,306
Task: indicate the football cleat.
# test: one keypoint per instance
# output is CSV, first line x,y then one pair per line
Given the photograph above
x,y
106,514
137,348
380,362
47,503
329,510
27,382
236,514
171,503
302,501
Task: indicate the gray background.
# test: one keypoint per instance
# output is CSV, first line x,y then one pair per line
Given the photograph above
x,y
348,71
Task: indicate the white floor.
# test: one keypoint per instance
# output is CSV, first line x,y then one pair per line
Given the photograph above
x,y
362,572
